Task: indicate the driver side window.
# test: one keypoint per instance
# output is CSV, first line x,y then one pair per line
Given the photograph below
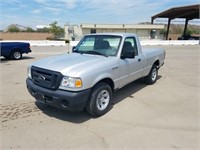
x,y
130,45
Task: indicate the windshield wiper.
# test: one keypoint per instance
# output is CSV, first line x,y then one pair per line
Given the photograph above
x,y
94,52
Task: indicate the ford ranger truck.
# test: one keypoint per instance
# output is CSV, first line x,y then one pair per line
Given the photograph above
x,y
14,50
88,77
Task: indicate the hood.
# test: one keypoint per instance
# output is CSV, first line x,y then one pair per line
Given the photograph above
x,y
71,64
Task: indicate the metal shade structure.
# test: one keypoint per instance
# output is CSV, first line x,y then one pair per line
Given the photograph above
x,y
189,12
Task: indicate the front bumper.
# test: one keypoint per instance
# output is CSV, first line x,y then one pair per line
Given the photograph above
x,y
72,101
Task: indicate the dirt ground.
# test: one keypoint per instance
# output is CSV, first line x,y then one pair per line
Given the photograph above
x,y
163,116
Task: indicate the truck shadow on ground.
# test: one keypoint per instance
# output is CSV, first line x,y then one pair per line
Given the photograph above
x,y
4,60
80,117
129,90
74,117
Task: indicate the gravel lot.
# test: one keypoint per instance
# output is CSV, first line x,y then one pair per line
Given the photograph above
x,y
164,116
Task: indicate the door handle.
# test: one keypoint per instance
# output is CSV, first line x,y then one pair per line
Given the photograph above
x,y
115,68
139,60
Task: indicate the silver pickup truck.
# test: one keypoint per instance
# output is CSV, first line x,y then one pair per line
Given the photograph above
x,y
87,78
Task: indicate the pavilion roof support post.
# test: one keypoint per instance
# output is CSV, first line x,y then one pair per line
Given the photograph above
x,y
186,24
169,21
152,20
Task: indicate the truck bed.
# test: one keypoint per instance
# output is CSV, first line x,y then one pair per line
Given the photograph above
x,y
153,54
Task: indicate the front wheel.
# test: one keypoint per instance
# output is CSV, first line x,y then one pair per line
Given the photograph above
x,y
152,76
99,100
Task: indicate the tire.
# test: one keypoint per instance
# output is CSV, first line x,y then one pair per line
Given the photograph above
x,y
99,101
16,55
151,78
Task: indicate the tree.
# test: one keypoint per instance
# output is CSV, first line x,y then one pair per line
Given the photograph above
x,y
29,29
176,29
13,29
163,31
45,30
55,29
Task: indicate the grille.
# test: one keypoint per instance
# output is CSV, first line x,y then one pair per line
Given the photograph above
x,y
46,78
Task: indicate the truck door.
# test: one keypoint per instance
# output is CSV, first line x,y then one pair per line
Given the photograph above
x,y
131,68
6,49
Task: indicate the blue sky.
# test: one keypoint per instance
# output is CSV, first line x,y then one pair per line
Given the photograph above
x,y
43,12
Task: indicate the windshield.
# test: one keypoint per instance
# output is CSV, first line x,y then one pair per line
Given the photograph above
x,y
106,45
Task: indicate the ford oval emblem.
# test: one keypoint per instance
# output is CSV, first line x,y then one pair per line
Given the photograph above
x,y
41,77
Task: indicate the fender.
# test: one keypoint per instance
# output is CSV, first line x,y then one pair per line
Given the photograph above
x,y
102,77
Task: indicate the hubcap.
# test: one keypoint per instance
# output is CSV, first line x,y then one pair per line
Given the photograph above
x,y
154,74
17,55
103,99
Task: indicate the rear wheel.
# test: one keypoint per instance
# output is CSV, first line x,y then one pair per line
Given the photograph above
x,y
16,55
99,100
152,76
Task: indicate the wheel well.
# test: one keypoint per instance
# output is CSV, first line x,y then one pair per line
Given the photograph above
x,y
16,49
109,82
157,63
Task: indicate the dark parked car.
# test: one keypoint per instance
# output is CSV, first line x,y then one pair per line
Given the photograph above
x,y
188,37
14,50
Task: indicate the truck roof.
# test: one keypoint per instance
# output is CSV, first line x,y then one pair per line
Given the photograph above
x,y
117,34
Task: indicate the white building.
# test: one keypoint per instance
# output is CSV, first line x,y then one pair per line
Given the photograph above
x,y
144,31
41,27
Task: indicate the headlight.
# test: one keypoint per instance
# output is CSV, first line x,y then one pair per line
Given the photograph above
x,y
69,82
29,73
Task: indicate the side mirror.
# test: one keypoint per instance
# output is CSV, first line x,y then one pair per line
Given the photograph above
x,y
128,54
73,48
